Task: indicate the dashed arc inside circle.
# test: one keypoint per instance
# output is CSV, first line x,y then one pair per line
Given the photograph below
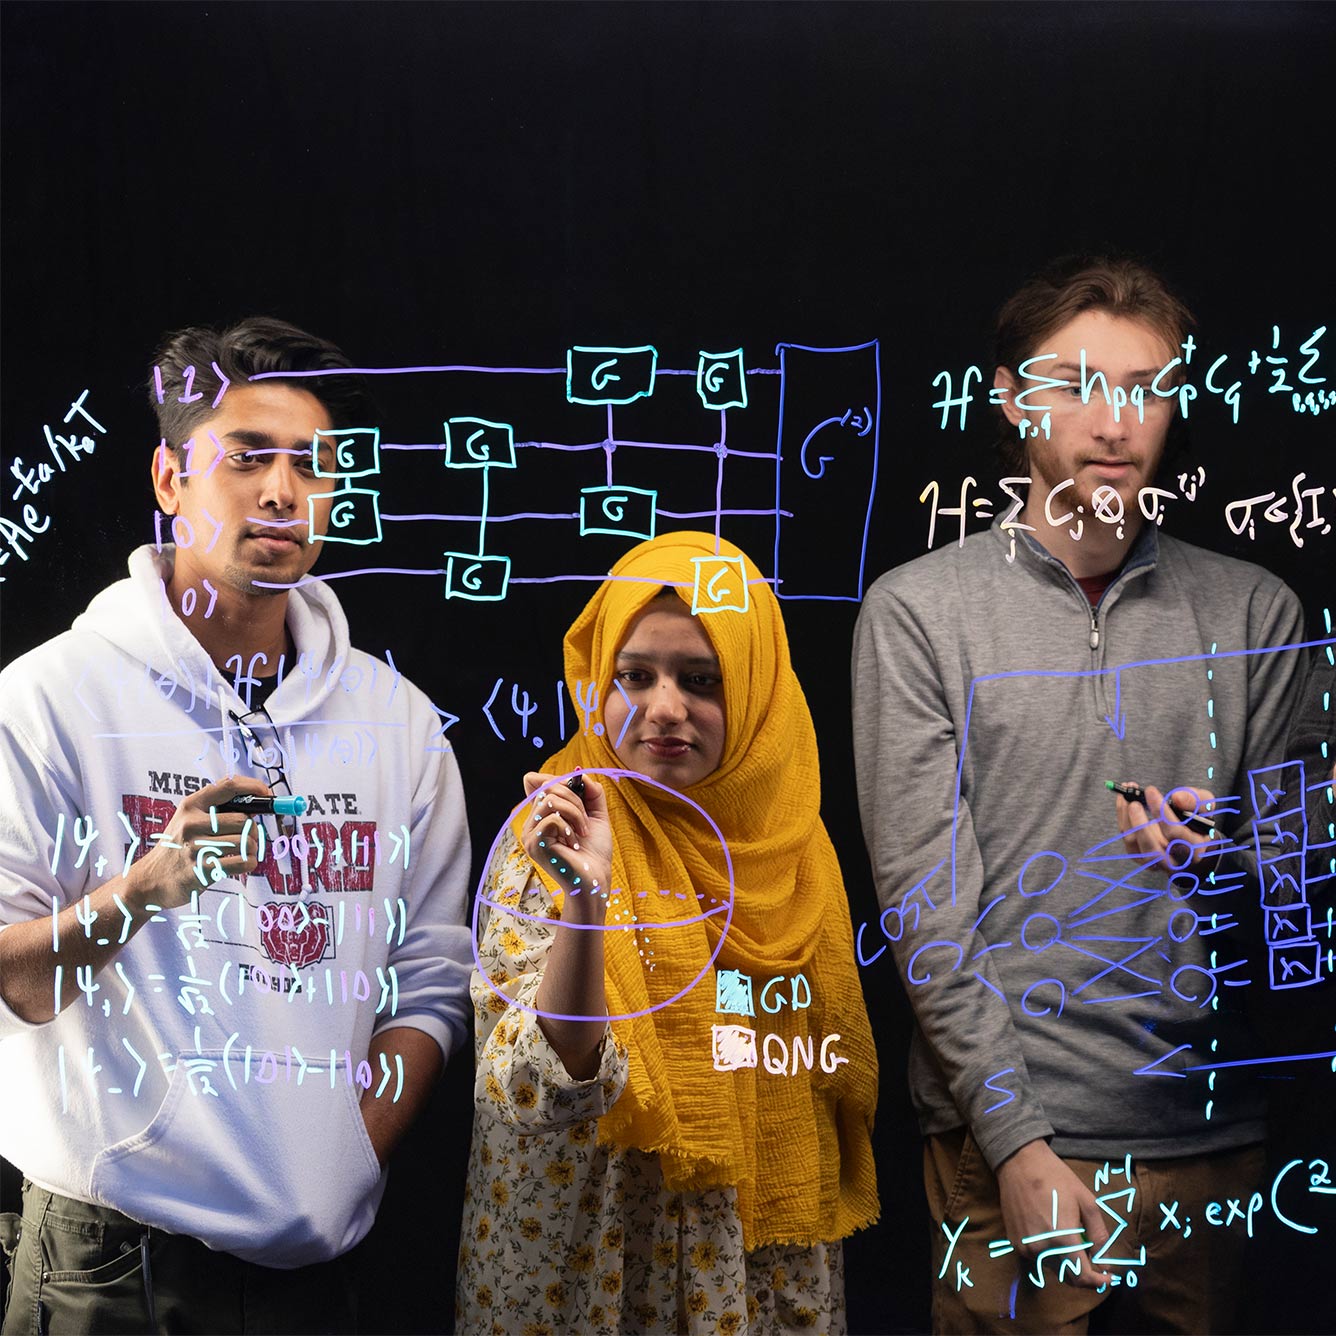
x,y
729,905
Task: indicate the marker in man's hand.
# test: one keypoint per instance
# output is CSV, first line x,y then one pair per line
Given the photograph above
x,y
266,804
1134,793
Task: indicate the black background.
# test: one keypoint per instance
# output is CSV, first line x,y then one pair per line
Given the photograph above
x,y
490,184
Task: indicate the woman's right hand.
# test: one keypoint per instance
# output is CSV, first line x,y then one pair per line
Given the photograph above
x,y
571,838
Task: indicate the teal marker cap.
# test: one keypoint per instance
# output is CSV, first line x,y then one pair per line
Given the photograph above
x,y
295,806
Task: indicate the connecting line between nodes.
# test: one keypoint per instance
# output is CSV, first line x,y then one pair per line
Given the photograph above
x,y
586,446
482,519
570,515
472,573
481,370
721,449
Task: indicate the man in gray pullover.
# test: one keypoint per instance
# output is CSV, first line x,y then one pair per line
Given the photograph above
x,y
1065,952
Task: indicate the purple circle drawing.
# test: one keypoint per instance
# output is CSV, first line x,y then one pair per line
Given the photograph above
x,y
1180,862
479,899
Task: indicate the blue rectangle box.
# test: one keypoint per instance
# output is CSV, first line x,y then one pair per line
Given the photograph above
x,y
1298,965
475,443
610,375
356,452
627,512
354,516
475,577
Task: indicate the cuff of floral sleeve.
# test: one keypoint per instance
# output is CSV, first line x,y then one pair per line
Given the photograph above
x,y
590,1098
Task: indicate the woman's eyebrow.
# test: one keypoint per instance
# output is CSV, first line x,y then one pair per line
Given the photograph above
x,y
690,661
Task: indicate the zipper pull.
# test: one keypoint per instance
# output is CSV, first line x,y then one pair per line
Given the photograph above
x,y
1094,629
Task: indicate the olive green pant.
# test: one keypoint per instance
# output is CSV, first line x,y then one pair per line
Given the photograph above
x,y
76,1268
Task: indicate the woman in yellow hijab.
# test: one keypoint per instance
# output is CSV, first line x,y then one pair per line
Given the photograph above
x,y
676,1077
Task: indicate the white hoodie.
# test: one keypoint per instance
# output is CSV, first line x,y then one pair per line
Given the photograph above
x,y
208,1081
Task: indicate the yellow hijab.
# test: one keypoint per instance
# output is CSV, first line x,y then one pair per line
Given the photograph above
x,y
795,1146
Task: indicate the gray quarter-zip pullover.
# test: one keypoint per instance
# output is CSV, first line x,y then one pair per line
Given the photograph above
x,y
1047,966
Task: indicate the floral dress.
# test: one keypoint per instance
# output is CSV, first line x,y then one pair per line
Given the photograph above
x,y
563,1235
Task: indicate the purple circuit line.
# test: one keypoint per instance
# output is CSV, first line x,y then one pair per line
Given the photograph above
x,y
386,446
603,445
701,514
751,454
518,579
342,575
695,371
668,445
628,579
680,584
754,371
412,370
609,446
493,519
554,445
481,370
570,515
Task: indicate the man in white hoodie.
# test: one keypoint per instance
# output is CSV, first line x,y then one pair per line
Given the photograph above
x,y
215,1026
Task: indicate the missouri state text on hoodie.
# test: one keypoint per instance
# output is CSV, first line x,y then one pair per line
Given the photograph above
x,y
208,1081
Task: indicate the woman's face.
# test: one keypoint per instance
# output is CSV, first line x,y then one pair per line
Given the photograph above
x,y
667,719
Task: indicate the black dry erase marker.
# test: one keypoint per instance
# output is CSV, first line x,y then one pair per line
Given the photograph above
x,y
1134,793
576,784
270,806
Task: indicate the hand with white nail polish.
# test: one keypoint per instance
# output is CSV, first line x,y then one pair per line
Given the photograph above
x,y
571,838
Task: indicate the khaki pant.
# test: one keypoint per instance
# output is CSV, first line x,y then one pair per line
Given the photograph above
x,y
76,1268
1190,1280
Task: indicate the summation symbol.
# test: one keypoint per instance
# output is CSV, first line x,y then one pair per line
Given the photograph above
x,y
1068,1255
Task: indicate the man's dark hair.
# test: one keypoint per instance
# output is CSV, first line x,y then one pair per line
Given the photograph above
x,y
1117,285
257,344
